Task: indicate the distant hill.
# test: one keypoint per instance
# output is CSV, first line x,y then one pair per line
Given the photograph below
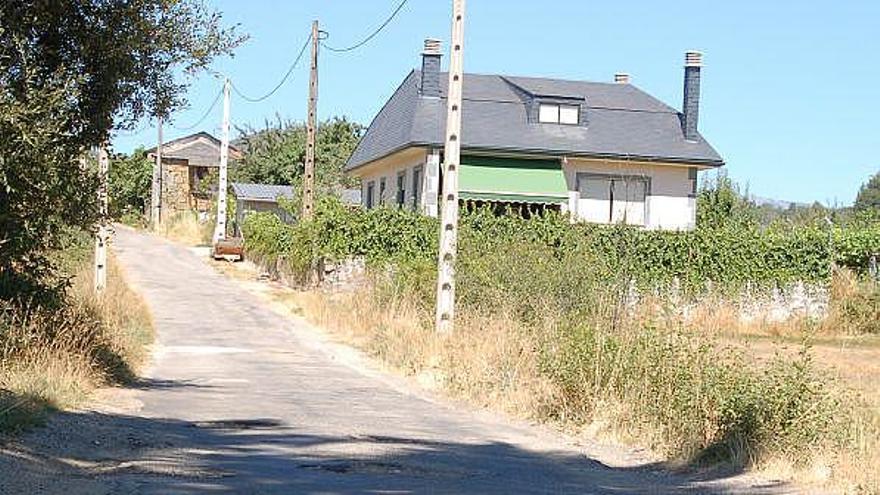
x,y
775,203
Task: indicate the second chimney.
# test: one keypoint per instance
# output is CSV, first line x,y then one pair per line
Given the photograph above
x,y
431,68
621,78
693,62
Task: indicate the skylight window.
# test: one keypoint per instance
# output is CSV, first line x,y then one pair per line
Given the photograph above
x,y
549,113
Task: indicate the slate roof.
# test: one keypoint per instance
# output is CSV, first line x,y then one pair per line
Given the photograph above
x,y
201,149
623,121
261,192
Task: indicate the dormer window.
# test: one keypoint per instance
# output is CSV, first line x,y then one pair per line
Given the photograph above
x,y
551,113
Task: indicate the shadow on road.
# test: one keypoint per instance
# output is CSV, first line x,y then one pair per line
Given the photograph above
x,y
119,453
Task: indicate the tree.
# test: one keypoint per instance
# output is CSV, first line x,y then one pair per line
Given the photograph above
x,y
129,183
69,69
720,203
276,153
869,195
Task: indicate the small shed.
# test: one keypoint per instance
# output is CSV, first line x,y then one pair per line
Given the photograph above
x,y
259,197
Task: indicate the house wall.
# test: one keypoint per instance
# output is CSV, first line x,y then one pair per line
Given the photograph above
x,y
390,168
670,204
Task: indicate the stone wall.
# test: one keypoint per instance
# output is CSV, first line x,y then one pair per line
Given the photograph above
x,y
175,187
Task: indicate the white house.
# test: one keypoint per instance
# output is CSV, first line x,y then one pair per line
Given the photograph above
x,y
605,152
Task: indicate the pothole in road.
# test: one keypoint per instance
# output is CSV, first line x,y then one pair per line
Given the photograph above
x,y
351,466
239,424
363,467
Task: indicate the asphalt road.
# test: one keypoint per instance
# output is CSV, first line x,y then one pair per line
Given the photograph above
x,y
240,399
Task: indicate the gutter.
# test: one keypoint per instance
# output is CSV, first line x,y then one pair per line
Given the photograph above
x,y
550,153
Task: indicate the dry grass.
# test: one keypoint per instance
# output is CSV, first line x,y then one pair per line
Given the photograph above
x,y
497,362
490,361
55,359
185,228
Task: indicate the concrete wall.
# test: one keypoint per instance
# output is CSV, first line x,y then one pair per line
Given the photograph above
x,y
669,204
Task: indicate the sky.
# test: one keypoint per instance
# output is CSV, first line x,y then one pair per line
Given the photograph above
x,y
789,88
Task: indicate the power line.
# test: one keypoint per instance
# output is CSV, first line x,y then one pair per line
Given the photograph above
x,y
281,83
205,116
371,36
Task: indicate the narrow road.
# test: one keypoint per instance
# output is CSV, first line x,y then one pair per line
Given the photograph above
x,y
242,400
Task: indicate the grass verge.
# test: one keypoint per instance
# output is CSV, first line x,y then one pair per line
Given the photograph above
x,y
690,397
186,228
53,358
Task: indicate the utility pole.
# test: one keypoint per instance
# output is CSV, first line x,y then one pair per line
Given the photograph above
x,y
156,196
220,229
103,234
308,199
452,156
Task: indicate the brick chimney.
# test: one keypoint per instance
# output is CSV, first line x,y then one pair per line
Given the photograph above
x,y
431,68
693,62
621,78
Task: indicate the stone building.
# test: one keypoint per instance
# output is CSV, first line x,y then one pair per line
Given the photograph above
x,y
189,172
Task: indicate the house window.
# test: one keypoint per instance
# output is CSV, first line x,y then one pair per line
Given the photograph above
x,y
401,188
692,179
613,199
568,114
417,186
548,114
369,199
558,114
382,188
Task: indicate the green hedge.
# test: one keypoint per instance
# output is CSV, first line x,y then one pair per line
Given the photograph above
x,y
730,257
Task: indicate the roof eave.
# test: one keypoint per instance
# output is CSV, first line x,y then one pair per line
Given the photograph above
x,y
708,162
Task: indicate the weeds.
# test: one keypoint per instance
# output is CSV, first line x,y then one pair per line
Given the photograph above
x,y
53,358
855,305
186,227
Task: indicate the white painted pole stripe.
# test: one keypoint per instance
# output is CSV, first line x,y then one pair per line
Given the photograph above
x,y
452,157
220,230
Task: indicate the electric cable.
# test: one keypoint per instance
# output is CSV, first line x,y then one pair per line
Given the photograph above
x,y
371,36
280,83
203,117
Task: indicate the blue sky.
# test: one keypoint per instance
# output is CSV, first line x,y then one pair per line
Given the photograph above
x,y
789,96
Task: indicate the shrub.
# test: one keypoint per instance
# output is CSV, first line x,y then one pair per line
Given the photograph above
x,y
854,304
728,257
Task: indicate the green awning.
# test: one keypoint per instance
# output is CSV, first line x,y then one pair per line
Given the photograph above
x,y
511,180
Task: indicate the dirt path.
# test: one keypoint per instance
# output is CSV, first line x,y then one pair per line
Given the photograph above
x,y
242,400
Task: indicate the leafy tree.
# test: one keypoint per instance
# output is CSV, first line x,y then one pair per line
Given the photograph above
x,y
69,69
720,203
276,153
129,183
869,194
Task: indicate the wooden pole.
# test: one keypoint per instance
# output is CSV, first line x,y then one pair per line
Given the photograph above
x,y
156,196
103,234
452,156
308,200
222,186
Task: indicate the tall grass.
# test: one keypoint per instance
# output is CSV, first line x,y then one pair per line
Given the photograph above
x,y
555,338
55,357
185,227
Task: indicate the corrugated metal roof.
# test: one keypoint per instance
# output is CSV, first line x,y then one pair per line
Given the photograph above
x,y
261,192
622,121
